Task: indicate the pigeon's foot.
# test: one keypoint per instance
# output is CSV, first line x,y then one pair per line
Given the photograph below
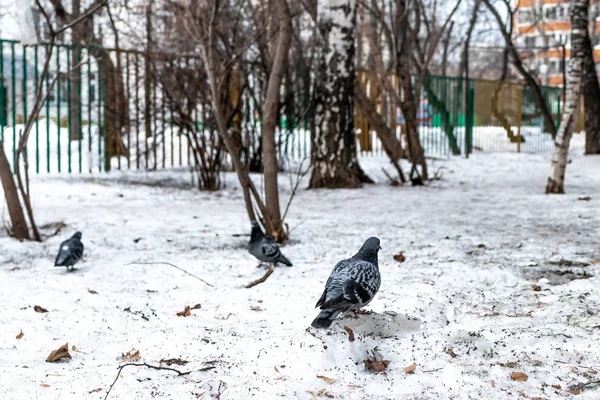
x,y
259,265
361,312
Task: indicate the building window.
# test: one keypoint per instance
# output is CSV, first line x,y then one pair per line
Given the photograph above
x,y
525,16
529,42
550,13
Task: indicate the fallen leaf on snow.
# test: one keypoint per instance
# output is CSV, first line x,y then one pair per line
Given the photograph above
x,y
276,369
377,365
225,318
45,385
60,353
400,257
354,386
321,393
450,352
411,368
350,333
198,395
595,261
536,288
131,356
584,198
185,313
572,391
256,308
92,291
173,361
519,376
557,387
39,309
20,335
95,391
197,307
510,364
492,383
326,379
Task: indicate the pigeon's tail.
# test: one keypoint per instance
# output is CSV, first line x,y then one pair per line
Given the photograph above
x,y
60,259
284,260
325,318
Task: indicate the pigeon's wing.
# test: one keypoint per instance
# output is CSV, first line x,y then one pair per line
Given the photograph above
x,y
334,288
362,284
63,252
77,250
269,248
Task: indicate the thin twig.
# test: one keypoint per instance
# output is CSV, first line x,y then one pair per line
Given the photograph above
x,y
172,265
261,280
299,177
179,373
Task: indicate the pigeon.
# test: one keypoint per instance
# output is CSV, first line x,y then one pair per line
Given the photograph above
x,y
265,248
70,251
352,284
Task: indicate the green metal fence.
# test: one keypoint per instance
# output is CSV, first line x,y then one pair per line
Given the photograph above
x,y
129,109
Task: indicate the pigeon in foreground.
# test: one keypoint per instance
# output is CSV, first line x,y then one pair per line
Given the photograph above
x,y
70,251
265,248
352,284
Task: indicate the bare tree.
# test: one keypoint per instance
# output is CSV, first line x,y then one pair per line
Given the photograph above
x,y
333,153
591,96
517,61
579,27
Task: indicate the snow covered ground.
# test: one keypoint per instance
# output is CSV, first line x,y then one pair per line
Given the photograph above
x,y
462,306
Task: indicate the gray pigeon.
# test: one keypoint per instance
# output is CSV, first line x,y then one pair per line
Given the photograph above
x,y
352,284
265,248
70,251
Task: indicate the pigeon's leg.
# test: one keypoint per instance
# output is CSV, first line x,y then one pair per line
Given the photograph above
x,y
259,265
360,311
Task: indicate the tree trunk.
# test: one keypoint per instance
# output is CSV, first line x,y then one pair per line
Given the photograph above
x,y
579,21
75,76
269,121
408,104
591,98
15,211
333,154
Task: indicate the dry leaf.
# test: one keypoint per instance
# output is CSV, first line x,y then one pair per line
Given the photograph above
x,y
185,313
519,376
131,356
354,386
60,353
276,369
45,385
400,257
326,379
595,261
450,352
92,291
411,368
95,391
573,391
20,335
320,393
377,365
198,395
557,387
197,307
510,364
536,288
256,308
173,361
492,383
225,318
350,333
40,309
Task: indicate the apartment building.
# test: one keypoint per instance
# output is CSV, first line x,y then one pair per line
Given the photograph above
x,y
543,36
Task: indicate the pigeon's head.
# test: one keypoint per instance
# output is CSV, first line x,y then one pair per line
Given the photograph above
x,y
256,230
77,235
369,250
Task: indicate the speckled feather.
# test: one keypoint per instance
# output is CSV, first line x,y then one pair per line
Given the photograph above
x,y
70,251
352,284
264,248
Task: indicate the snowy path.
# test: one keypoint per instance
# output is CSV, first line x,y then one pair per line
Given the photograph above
x,y
475,243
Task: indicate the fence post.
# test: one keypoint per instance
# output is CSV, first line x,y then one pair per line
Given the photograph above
x,y
469,119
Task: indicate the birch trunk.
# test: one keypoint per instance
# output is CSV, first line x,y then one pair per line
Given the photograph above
x,y
333,153
579,22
